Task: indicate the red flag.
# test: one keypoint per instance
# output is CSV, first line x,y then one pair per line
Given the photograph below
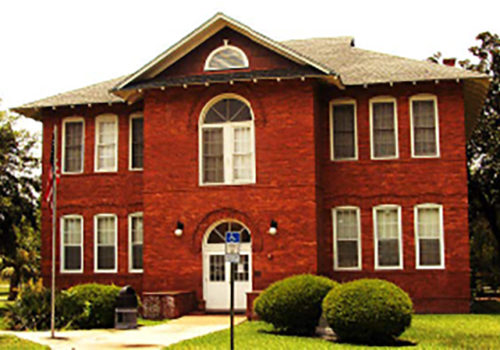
x,y
54,169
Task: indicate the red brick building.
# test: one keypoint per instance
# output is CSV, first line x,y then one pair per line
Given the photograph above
x,y
329,159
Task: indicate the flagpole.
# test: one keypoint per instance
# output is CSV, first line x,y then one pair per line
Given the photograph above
x,y
54,223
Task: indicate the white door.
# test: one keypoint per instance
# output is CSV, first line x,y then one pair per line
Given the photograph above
x,y
216,272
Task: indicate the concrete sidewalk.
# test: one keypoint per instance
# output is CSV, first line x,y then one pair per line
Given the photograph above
x,y
146,337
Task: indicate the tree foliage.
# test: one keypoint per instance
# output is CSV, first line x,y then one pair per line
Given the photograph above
x,y
19,207
483,154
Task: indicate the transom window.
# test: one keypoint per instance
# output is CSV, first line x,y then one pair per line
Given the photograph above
x,y
425,129
346,238
72,243
343,130
429,236
226,57
218,233
384,128
73,145
227,142
388,245
106,142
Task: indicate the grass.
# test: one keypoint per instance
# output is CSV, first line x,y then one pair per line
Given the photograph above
x,y
426,332
10,342
144,322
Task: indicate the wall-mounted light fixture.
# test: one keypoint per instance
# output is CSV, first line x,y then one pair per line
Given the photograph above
x,y
179,229
273,227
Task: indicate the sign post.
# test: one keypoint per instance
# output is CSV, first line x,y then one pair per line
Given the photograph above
x,y
233,240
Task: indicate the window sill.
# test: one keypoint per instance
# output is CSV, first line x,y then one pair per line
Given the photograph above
x,y
389,268
68,272
426,157
435,267
385,158
226,184
347,269
344,159
106,271
72,173
136,271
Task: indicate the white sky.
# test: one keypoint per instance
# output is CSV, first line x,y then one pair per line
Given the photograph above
x,y
48,47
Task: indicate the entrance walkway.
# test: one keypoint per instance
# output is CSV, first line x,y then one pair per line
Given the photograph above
x,y
146,337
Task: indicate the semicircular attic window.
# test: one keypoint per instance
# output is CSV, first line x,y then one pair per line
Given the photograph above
x,y
226,57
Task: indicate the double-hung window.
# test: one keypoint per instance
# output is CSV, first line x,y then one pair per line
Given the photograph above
x,y
343,142
429,236
346,238
73,140
424,126
72,243
106,143
388,232
106,241
384,128
135,242
136,141
227,153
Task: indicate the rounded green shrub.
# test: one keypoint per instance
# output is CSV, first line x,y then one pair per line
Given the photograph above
x,y
293,305
368,311
97,303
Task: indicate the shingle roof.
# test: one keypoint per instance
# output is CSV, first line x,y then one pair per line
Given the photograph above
x,y
355,67
95,93
358,66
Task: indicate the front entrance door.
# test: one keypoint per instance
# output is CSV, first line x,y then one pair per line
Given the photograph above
x,y
216,272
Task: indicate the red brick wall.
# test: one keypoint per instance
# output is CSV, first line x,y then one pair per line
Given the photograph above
x,y
92,193
285,188
366,183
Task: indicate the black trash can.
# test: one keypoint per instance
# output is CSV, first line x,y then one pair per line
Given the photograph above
x,y
126,309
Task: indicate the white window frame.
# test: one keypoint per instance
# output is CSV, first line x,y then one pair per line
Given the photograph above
x,y
130,250
96,269
63,150
223,47
382,99
400,236
62,245
335,248
339,102
418,266
227,135
135,115
425,97
107,116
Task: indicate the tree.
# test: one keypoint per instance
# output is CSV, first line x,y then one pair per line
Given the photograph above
x,y
483,154
19,206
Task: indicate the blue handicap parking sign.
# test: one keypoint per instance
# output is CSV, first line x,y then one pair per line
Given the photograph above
x,y
233,237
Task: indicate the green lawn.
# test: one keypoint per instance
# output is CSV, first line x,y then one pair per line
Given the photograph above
x,y
144,322
9,342
427,332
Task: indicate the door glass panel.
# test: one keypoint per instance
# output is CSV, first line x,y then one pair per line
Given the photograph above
x,y
217,268
241,271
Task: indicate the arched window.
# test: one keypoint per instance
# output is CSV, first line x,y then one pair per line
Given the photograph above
x,y
218,233
226,57
227,153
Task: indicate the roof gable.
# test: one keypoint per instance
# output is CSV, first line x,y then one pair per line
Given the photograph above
x,y
201,34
